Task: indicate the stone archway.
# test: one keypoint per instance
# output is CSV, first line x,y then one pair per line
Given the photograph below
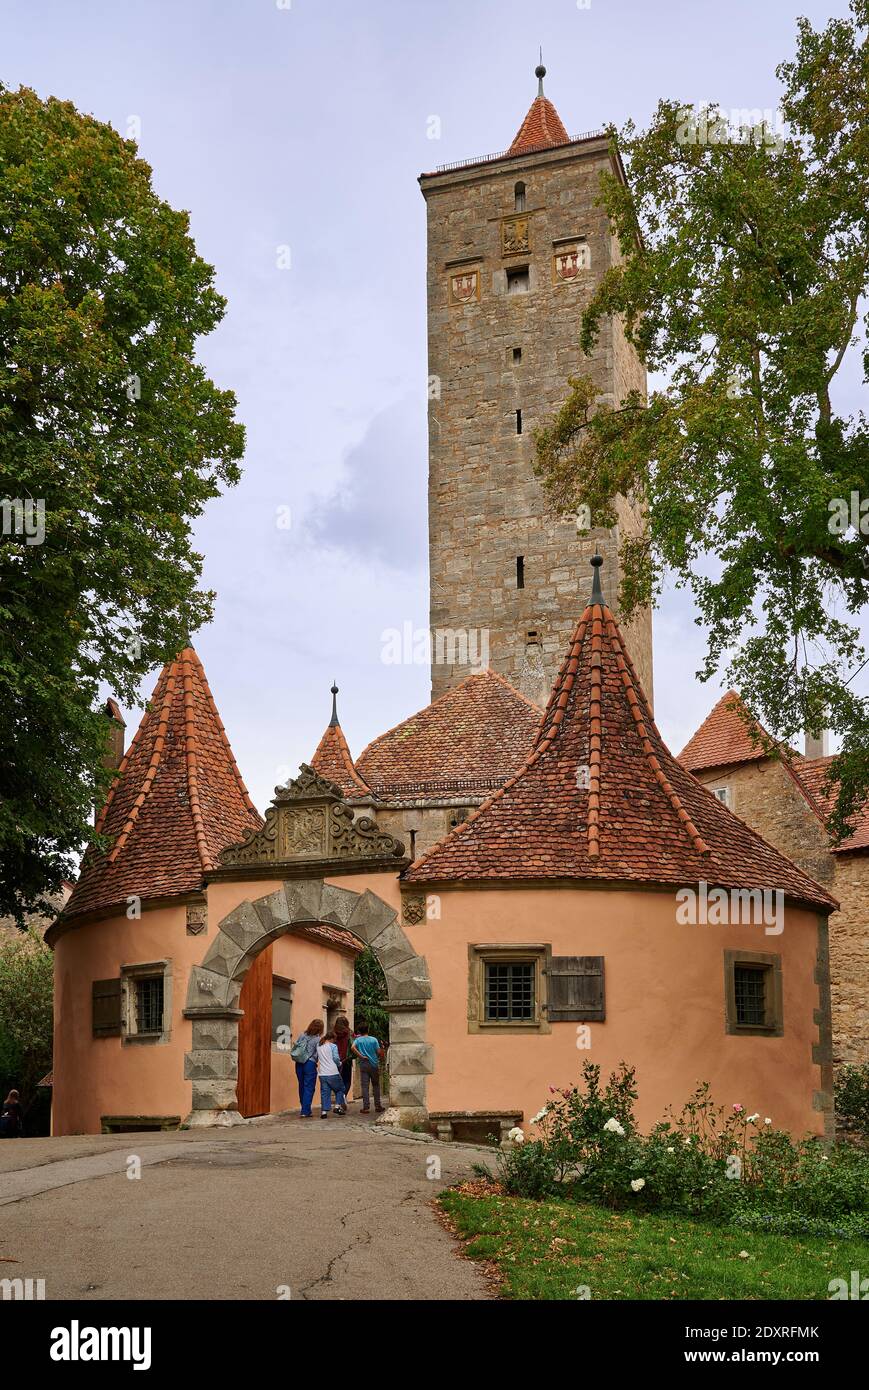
x,y
215,987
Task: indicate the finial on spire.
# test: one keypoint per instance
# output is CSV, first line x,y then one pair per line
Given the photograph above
x,y
540,73
333,722
596,591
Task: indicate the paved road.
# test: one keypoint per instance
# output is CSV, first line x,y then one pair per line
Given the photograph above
x,y
329,1209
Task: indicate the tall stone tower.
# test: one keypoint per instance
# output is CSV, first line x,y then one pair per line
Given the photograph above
x,y
516,245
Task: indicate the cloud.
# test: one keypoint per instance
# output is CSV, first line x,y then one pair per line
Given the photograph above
x,y
378,510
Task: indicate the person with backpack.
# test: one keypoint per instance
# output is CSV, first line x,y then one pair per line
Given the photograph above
x,y
331,1080
304,1053
11,1117
369,1053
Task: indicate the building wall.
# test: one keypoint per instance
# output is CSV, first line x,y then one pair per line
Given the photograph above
x,y
101,1076
485,505
665,1005
763,794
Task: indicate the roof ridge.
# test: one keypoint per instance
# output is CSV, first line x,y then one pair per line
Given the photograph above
x,y
473,675
156,756
635,705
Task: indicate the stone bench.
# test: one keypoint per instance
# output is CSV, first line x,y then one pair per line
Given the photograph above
x,y
445,1121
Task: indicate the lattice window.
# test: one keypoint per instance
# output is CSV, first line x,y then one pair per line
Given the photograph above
x,y
149,1004
510,991
749,989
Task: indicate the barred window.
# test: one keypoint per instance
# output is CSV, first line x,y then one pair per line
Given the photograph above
x,y
509,991
149,1004
749,988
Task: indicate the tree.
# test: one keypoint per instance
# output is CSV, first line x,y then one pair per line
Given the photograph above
x,y
26,1010
113,439
745,256
370,994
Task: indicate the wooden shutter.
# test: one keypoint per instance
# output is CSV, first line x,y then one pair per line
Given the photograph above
x,y
106,999
576,989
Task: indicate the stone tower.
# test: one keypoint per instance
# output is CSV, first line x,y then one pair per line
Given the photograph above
x,y
516,245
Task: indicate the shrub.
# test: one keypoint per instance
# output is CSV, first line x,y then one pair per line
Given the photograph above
x,y
525,1170
852,1099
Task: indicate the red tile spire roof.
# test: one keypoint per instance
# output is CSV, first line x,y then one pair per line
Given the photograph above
x,y
724,737
600,797
178,799
333,759
470,739
542,127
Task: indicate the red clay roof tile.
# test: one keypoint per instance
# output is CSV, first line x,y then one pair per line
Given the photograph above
x,y
333,760
178,799
601,797
810,775
467,740
541,128
724,737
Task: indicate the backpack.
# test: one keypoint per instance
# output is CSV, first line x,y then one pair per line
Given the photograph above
x,y
299,1049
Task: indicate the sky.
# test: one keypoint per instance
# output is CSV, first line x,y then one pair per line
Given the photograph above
x,y
294,132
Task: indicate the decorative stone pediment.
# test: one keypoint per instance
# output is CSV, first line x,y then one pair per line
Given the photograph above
x,y
310,822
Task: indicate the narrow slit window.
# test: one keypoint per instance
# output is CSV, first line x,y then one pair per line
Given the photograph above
x,y
518,421
517,354
520,571
519,198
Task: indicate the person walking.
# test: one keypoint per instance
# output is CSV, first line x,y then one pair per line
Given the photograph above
x,y
331,1080
304,1054
11,1117
370,1053
343,1041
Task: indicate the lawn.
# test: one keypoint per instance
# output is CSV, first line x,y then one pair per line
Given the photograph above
x,y
547,1250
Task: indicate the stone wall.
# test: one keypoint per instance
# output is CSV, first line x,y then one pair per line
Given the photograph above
x,y
486,508
764,795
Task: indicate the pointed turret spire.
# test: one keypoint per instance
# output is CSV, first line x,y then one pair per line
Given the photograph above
x,y
596,591
178,799
333,759
542,127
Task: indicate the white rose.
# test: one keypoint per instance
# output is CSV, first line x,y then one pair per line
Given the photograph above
x,y
516,1135
637,1184
535,1119
753,1119
613,1126
671,1151
767,1121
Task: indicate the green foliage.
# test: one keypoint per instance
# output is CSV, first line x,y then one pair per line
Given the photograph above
x,y
108,421
26,1018
370,994
744,275
852,1098
704,1161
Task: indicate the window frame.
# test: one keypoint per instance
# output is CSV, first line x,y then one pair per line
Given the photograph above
x,y
480,955
130,976
517,274
770,964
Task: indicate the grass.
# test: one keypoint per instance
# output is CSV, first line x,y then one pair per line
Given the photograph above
x,y
550,1250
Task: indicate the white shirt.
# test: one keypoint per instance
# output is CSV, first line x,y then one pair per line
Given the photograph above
x,y
326,1060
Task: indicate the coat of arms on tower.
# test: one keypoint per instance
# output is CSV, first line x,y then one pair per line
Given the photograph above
x,y
568,261
515,235
464,286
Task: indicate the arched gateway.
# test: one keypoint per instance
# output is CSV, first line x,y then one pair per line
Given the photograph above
x,y
215,988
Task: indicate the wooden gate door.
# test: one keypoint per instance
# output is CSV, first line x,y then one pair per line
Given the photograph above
x,y
255,1038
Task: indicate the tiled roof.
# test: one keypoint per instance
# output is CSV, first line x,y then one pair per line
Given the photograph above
x,y
601,798
723,737
177,801
541,128
333,761
470,739
332,936
810,775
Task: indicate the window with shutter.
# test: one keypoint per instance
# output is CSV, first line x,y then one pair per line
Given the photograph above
x,y
576,989
106,1008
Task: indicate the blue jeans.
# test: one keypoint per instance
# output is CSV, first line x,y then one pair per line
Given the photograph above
x,y
329,1086
306,1075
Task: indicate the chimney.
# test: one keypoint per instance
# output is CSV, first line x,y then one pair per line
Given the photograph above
x,y
817,745
114,735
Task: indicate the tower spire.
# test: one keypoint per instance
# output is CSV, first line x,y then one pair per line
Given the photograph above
x,y
334,721
596,591
540,73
